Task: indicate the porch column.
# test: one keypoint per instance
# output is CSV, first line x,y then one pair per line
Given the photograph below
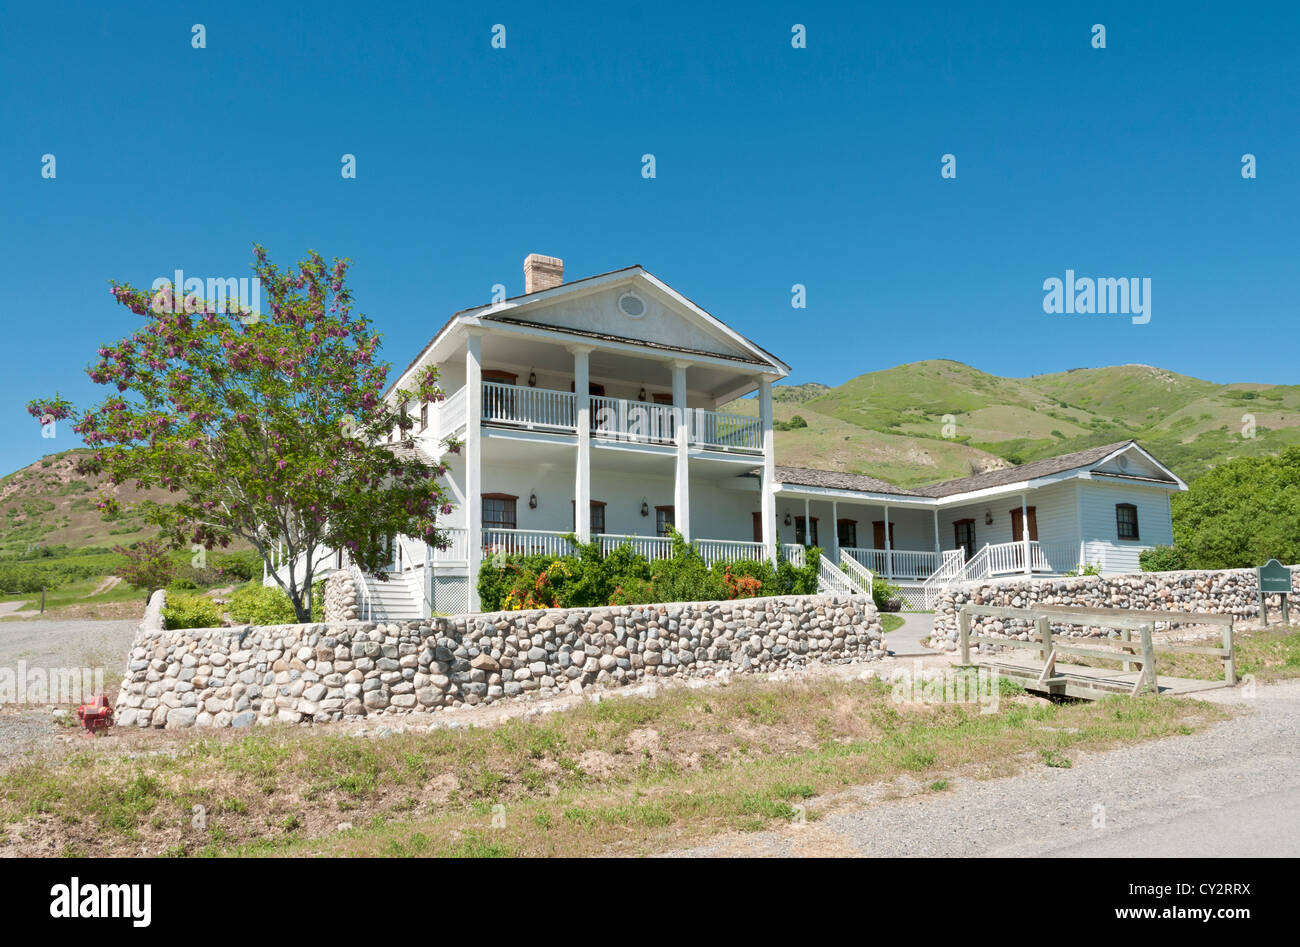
x,y
807,522
473,460
889,553
682,482
1024,532
769,467
938,549
834,543
582,412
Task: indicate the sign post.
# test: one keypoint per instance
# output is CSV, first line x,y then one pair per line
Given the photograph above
x,y
1274,579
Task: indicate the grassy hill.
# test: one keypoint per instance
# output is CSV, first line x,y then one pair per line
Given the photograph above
x,y
48,503
891,423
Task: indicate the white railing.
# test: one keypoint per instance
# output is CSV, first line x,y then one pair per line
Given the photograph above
x,y
831,579
364,607
409,554
716,429
528,407
524,542
794,553
856,574
896,563
652,547
451,414
953,562
723,550
977,567
457,547
640,421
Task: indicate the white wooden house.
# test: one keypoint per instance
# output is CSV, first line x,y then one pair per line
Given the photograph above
x,y
595,407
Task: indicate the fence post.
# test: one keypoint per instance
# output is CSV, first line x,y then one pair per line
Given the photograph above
x,y
963,628
1230,659
1128,636
1149,660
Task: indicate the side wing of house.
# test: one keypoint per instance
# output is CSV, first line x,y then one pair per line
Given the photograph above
x,y
1111,512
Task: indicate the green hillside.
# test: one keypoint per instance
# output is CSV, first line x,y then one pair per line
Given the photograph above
x,y
891,423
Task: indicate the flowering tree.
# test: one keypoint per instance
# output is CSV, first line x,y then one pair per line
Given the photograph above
x,y
267,427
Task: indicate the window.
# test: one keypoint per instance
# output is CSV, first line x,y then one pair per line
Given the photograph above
x,y
597,516
801,534
663,520
1126,520
847,531
424,416
499,511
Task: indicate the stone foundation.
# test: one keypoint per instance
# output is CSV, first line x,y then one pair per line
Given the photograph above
x,y
340,670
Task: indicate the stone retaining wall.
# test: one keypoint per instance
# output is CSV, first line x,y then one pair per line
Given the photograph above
x,y
1225,591
340,670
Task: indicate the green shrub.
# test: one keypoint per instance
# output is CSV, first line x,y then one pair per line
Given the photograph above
x,y
182,584
884,594
256,604
1163,559
589,578
191,611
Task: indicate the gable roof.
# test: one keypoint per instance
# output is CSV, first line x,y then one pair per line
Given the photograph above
x,y
502,312
1078,460
1033,470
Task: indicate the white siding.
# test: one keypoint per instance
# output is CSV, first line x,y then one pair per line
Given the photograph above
x,y
1097,504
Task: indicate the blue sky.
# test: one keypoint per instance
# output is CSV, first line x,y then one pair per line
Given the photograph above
x,y
775,166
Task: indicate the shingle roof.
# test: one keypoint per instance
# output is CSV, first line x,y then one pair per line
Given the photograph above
x,y
411,450
1029,471
834,480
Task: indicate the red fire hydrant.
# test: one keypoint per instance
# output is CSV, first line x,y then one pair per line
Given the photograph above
x,y
95,716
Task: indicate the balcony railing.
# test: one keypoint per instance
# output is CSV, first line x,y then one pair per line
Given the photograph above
x,y
612,418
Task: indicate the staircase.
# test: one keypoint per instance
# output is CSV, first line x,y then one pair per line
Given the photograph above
x,y
401,598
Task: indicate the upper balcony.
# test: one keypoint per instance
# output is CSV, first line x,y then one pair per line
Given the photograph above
x,y
548,410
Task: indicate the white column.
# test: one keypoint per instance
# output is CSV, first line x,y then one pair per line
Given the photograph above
x,y
1024,533
473,459
769,467
682,481
938,548
582,480
807,522
889,554
834,542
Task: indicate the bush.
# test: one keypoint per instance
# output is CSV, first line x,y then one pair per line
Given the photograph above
x,y
256,604
1163,559
191,611
623,577
888,597
239,566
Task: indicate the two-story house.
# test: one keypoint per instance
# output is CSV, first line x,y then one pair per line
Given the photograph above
x,y
595,407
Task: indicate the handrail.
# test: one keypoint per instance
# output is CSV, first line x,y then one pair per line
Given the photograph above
x,y
857,574
364,608
831,577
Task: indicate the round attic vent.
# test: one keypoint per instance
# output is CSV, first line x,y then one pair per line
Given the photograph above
x,y
1122,462
631,305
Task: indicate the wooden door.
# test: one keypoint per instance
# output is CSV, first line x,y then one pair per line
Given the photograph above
x,y
1017,528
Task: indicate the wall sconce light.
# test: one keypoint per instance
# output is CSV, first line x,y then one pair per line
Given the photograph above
x,y
988,518
532,500
787,519
641,394
532,379
645,507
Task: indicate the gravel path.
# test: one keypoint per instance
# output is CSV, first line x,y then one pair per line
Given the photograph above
x,y
1233,789
26,730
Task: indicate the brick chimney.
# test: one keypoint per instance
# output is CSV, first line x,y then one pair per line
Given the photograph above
x,y
542,272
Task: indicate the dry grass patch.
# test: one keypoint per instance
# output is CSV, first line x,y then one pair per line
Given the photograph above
x,y
625,776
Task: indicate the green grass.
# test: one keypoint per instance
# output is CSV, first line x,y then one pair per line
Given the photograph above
x,y
890,622
625,776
